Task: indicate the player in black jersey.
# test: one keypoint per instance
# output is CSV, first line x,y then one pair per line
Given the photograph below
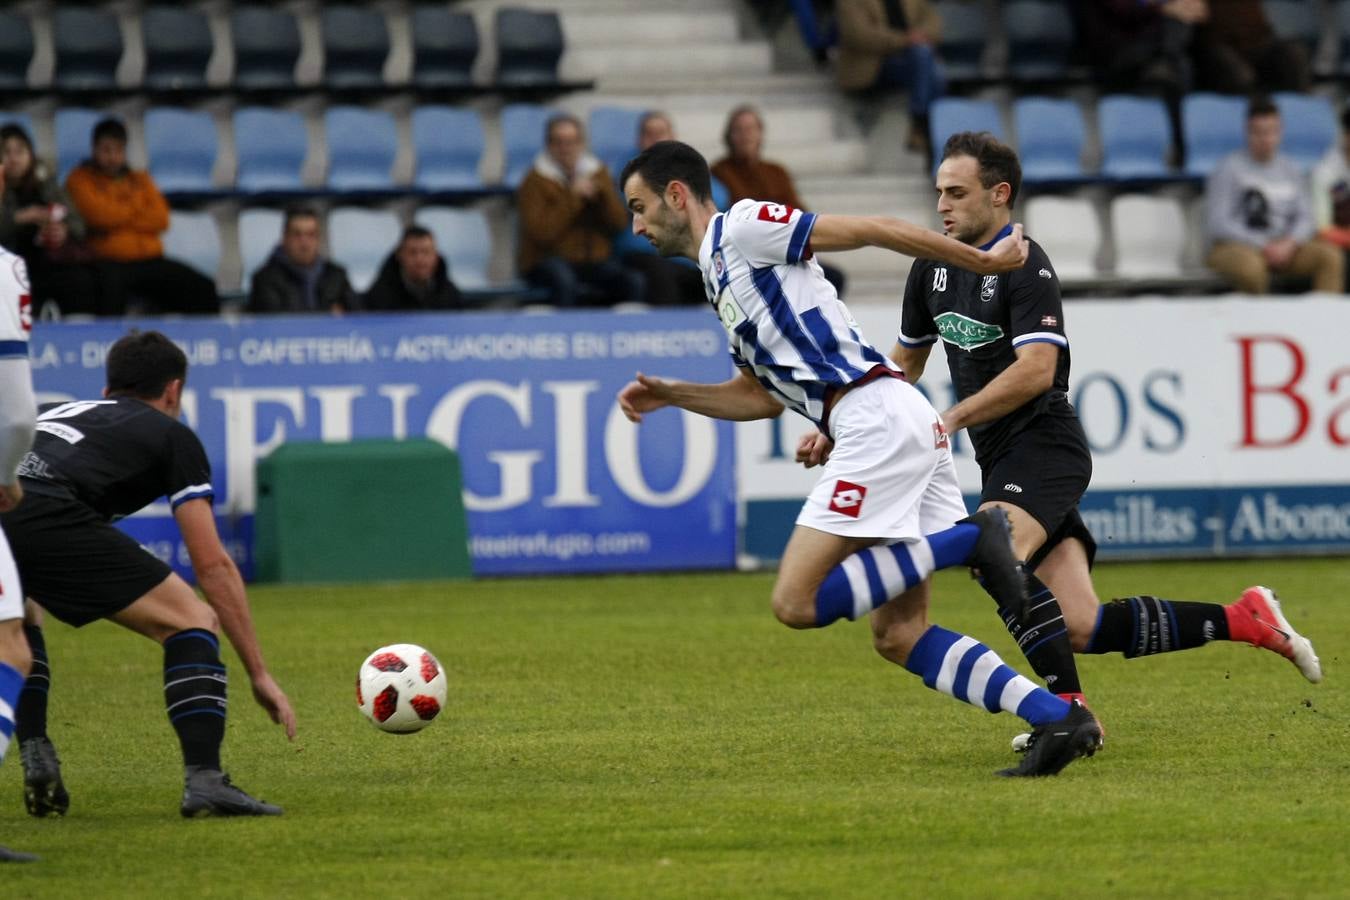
x,y
95,461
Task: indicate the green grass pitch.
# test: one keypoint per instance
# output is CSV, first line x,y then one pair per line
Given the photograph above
x,y
662,737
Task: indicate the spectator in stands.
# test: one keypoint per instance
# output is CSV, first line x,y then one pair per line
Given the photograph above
x,y
1236,51
749,176
1140,46
891,43
125,214
414,276
570,212
1331,194
40,224
296,278
1260,216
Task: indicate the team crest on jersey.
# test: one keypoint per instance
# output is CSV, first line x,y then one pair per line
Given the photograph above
x,y
719,265
847,498
939,279
988,287
775,212
965,332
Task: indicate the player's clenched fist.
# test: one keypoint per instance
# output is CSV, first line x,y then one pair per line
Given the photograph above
x,y
643,395
814,449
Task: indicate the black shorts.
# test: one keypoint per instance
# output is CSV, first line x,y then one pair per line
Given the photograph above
x,y
1045,470
75,565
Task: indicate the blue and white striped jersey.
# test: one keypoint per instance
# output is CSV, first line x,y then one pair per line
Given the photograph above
x,y
15,307
783,319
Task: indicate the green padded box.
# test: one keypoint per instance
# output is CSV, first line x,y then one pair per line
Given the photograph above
x,y
367,510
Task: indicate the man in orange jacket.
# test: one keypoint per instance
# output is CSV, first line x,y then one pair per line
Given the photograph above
x,y
125,214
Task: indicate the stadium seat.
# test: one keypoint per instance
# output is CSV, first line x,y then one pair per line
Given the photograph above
x,y
360,239
611,132
445,45
266,47
362,144
87,44
1135,137
74,133
177,47
270,145
950,115
1050,137
1070,226
16,50
1214,126
180,145
259,234
448,146
1150,236
464,239
522,139
355,46
529,46
193,238
1310,127
1296,20
1040,39
961,47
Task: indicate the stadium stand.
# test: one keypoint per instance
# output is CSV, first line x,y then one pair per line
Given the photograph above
x,y
1135,138
964,38
611,132
266,47
1310,127
448,149
444,46
362,145
181,148
259,233
178,47
1298,20
1071,227
952,114
1149,236
74,128
1050,139
1040,39
87,46
464,237
270,149
194,238
16,50
522,138
529,46
1213,128
360,239
355,46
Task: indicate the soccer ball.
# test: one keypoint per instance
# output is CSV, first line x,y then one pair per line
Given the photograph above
x,y
401,688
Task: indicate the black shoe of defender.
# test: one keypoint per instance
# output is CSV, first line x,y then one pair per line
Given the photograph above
x,y
1054,746
209,793
998,566
8,855
43,791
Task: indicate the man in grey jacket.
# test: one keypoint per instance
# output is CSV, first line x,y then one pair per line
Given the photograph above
x,y
297,278
1259,215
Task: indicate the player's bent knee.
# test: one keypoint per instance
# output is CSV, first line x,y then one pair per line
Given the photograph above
x,y
794,610
14,650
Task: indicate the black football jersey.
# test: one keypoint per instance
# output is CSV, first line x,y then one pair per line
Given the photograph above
x,y
116,456
981,320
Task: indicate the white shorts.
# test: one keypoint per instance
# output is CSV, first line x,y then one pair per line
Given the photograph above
x,y
890,475
11,593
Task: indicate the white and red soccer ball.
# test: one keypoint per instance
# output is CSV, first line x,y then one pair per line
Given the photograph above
x,y
401,688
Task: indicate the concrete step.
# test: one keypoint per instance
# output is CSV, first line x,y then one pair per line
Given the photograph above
x,y
659,25
723,59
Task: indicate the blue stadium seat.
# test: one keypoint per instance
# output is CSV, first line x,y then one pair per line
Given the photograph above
x,y
522,139
1050,138
360,239
1135,137
270,145
1040,39
1214,126
445,45
529,46
362,144
355,46
177,47
193,238
1296,20
962,43
87,44
74,136
180,145
949,115
464,239
448,146
16,50
259,234
611,132
266,47
1310,127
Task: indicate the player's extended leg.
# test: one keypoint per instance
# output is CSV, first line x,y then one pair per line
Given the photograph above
x,y
44,791
15,661
194,694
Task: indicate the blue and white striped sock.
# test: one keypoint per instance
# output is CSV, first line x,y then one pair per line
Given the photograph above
x,y
963,668
11,683
870,577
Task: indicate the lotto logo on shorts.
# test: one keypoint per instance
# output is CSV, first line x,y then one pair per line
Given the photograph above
x,y
847,499
775,212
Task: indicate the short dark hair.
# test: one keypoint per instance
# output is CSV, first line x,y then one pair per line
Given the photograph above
x,y
142,363
996,161
109,128
667,161
415,231
1261,105
13,130
298,211
562,119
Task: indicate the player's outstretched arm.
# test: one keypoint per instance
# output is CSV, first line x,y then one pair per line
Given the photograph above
x,y
739,399
223,586
832,233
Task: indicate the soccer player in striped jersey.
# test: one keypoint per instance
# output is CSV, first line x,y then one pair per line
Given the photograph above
x,y
880,519
94,461
17,411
